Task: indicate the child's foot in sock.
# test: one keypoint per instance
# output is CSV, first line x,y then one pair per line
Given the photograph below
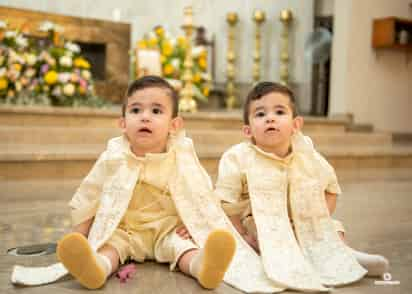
x,y
376,265
89,268
211,263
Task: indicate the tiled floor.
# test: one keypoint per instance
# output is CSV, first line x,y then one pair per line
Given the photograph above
x,y
377,215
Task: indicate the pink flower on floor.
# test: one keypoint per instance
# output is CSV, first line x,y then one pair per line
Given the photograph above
x,y
126,272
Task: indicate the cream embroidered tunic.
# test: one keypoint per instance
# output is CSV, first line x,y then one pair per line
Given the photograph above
x,y
228,168
107,195
276,192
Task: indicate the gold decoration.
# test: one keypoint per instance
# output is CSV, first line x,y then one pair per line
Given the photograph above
x,y
231,102
286,18
187,103
259,18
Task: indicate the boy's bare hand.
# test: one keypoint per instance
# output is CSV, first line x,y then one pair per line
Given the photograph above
x,y
252,241
183,232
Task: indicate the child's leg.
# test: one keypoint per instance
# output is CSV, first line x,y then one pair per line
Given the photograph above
x,y
209,264
89,268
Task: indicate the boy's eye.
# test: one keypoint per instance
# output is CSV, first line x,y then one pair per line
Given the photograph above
x,y
259,114
280,111
135,110
157,111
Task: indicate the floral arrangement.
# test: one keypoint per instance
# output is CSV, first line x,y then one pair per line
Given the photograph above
x,y
48,72
172,56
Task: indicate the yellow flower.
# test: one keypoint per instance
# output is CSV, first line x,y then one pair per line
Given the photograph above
x,y
168,69
3,83
181,41
152,42
206,91
202,63
81,62
196,77
17,67
51,77
82,90
142,44
162,59
203,54
167,49
159,31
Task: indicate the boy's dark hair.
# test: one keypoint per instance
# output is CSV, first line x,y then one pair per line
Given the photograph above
x,y
152,82
262,89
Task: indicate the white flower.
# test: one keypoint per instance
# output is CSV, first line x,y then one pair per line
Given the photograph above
x,y
3,24
21,41
73,47
30,72
86,74
10,34
66,61
57,91
14,57
30,58
68,89
175,62
64,77
173,42
197,50
2,71
47,26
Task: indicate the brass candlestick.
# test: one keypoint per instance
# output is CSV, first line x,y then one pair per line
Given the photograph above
x,y
286,18
187,103
259,18
231,102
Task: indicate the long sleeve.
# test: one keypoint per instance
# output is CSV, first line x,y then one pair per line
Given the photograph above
x,y
85,201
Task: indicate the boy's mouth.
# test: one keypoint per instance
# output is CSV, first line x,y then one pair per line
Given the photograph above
x,y
145,130
271,129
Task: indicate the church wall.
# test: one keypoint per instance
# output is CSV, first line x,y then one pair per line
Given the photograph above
x,y
374,85
144,15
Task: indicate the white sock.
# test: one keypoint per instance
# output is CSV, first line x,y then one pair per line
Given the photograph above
x,y
105,263
376,265
195,263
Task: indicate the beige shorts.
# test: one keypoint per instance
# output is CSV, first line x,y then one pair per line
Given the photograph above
x,y
146,245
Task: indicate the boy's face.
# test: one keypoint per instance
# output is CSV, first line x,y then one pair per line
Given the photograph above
x,y
148,120
271,123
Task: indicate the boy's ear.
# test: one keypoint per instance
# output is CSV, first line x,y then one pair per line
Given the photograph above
x,y
177,124
122,124
297,124
247,131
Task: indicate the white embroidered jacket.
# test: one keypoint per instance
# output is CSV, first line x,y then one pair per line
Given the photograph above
x,y
106,191
311,256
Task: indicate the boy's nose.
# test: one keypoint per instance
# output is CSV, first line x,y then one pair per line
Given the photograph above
x,y
270,118
145,116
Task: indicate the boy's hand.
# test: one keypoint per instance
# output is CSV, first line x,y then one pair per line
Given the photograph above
x,y
252,241
183,232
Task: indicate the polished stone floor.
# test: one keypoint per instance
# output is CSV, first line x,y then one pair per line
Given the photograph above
x,y
377,215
